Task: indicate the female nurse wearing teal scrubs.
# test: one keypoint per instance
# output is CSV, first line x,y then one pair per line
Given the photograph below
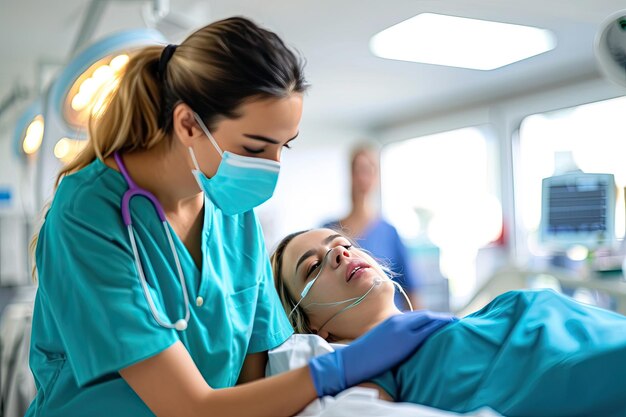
x,y
155,294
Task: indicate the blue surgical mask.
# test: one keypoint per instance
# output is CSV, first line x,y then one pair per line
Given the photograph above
x,y
240,183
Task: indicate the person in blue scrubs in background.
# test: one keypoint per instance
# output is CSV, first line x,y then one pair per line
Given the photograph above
x,y
366,226
163,303
526,353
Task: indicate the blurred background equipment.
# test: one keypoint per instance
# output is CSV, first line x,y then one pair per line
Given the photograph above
x,y
578,209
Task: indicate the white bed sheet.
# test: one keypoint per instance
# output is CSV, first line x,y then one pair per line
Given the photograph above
x,y
299,349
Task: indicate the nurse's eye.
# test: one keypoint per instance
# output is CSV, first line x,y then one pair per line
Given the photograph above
x,y
253,151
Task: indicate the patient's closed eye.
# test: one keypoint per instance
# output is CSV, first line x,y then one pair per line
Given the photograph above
x,y
312,268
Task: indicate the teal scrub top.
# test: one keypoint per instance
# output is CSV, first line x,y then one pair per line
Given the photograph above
x,y
527,353
91,318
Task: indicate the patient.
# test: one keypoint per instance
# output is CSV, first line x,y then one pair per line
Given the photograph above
x,y
527,353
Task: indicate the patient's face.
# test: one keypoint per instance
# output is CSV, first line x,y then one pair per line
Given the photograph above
x,y
348,272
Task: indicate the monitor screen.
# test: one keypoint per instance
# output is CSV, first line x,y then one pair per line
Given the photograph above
x,y
578,209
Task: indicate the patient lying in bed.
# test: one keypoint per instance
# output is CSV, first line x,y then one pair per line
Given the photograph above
x,y
527,353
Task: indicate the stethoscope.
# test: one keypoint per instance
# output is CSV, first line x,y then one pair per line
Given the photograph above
x,y
135,190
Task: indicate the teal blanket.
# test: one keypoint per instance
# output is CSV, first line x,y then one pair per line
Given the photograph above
x,y
527,353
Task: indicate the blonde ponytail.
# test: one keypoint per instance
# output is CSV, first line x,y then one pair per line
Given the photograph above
x,y
130,117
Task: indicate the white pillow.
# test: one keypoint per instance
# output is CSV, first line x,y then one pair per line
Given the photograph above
x,y
296,352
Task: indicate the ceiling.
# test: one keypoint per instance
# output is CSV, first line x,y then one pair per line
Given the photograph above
x,y
350,87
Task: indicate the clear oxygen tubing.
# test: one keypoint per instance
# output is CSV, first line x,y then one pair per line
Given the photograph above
x,y
355,300
358,300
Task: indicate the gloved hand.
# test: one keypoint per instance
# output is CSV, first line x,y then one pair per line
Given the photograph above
x,y
375,352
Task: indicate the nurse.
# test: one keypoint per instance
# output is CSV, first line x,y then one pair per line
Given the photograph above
x,y
155,289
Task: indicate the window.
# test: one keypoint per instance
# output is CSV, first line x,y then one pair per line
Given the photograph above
x,y
589,137
441,188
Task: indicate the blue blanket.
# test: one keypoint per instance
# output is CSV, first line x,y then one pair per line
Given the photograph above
x,y
527,353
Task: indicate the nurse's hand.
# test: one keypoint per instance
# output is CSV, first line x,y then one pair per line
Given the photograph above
x,y
380,349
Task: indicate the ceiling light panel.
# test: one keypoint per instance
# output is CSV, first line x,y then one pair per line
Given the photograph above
x,y
460,42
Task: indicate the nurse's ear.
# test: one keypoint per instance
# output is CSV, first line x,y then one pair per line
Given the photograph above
x,y
185,127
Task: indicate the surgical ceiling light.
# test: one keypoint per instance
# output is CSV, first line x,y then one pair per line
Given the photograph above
x,y
610,47
83,87
29,130
460,42
67,149
87,92
33,136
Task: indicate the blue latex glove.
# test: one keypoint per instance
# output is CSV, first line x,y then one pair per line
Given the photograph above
x,y
377,351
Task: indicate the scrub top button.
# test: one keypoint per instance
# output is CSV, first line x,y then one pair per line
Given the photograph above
x,y
199,301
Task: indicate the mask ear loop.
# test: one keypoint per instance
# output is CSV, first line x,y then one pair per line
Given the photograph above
x,y
193,154
193,158
207,133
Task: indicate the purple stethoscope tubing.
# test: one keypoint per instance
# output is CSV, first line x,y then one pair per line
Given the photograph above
x,y
133,191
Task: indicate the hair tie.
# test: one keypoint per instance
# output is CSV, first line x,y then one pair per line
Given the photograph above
x,y
166,54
